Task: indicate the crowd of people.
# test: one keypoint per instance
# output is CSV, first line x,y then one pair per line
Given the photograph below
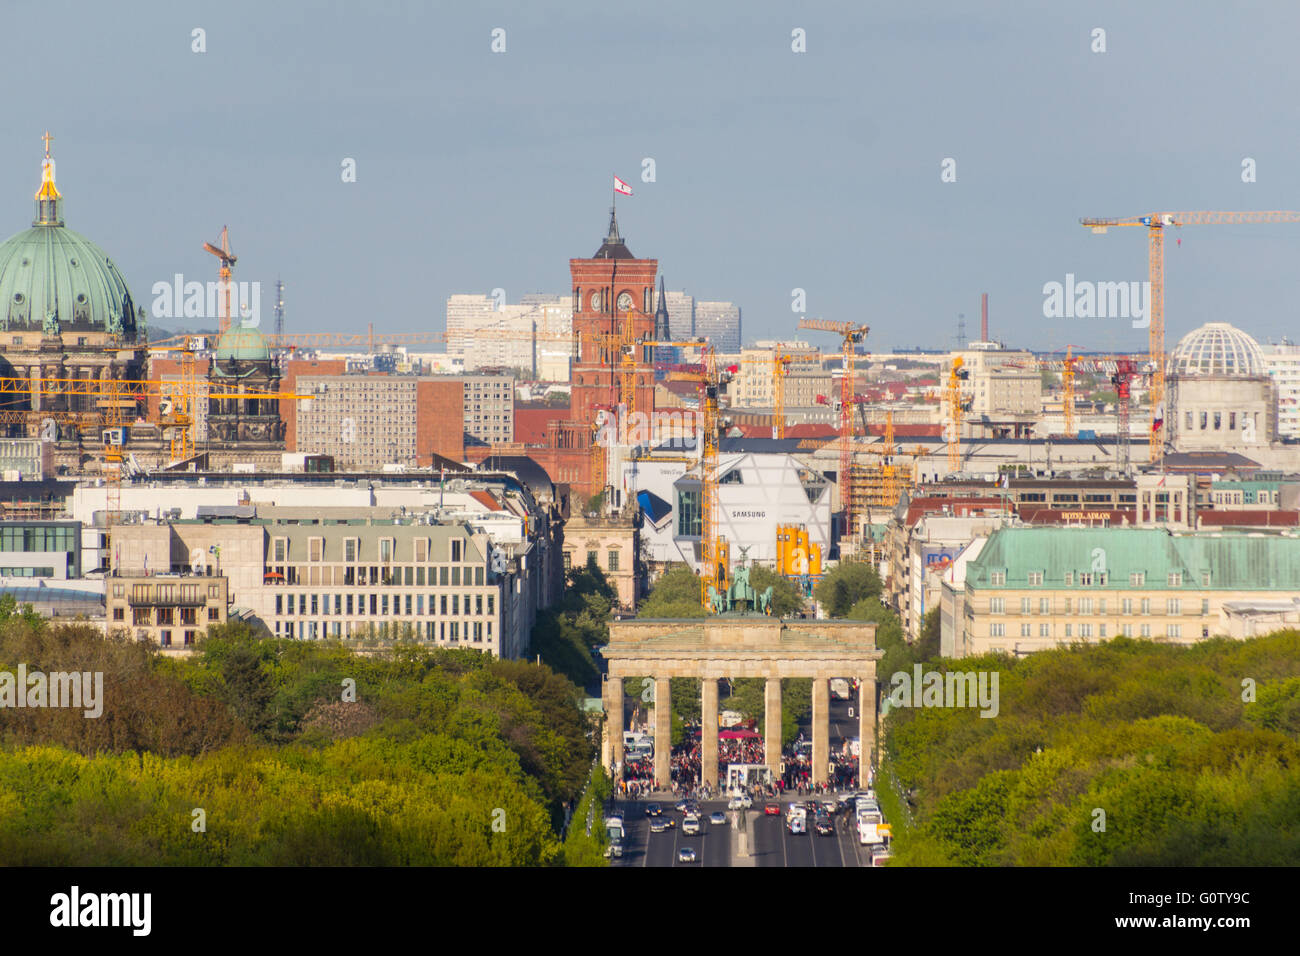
x,y
685,768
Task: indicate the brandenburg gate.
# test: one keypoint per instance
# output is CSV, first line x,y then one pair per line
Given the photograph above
x,y
741,646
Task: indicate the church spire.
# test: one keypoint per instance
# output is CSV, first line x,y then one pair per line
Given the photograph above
x,y
49,200
613,225
662,331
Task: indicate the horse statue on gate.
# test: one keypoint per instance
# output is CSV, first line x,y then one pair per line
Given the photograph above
x,y
718,602
765,600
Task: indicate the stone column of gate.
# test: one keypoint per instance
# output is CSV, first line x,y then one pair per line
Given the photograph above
x,y
613,748
772,726
709,733
663,733
821,729
866,727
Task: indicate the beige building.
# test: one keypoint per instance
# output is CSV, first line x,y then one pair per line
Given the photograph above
x,y
1031,589
490,407
613,545
170,610
1004,390
356,574
1220,392
754,386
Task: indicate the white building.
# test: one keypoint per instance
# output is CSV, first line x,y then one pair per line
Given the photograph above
x,y
1282,363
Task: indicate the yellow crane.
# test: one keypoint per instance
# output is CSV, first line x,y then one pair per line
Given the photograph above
x,y
851,335
780,368
1156,223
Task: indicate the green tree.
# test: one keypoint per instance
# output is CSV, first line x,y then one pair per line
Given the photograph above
x,y
676,594
786,599
845,585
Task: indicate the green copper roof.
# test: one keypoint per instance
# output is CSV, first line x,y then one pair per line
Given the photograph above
x,y
1243,561
244,344
56,280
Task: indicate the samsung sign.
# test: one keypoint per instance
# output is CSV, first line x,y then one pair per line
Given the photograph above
x,y
749,514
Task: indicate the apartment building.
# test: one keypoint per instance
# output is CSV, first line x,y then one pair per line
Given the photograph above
x,y
171,610
489,403
1282,363
719,323
1031,589
352,574
805,379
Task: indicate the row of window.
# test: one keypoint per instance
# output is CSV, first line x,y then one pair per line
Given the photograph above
x,y
144,616
1136,579
166,593
421,550
593,558
37,539
1086,606
1087,630
449,631
379,604
364,575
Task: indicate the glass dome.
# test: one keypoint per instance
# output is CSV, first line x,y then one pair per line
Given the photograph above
x,y
1217,348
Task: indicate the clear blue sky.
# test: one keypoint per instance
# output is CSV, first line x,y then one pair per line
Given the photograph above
x,y
775,170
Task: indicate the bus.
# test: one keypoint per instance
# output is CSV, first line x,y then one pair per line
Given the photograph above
x,y
614,833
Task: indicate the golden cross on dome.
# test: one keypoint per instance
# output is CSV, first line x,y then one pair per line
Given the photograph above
x,y
47,137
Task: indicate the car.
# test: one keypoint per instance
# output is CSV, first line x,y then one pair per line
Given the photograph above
x,y
796,825
740,801
658,826
830,806
653,810
681,805
691,825
824,826
772,810
686,855
881,857
718,818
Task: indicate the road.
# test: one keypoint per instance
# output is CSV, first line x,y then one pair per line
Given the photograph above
x,y
770,844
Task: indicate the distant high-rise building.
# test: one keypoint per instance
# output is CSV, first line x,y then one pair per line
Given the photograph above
x,y
465,312
534,336
719,323
681,313
1282,362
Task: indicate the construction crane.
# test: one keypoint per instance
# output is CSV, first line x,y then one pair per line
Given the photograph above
x,y
1067,378
1156,223
780,368
850,335
115,397
714,552
224,274
956,375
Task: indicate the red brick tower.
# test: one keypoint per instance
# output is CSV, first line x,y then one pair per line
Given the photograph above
x,y
612,295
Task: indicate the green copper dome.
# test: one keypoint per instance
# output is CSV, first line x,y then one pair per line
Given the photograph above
x,y
243,344
54,279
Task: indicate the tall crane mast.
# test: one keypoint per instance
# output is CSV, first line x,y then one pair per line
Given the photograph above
x,y
1156,223
851,335
956,375
224,273
780,369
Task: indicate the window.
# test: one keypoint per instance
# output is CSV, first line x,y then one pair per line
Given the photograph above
x,y
1137,579
1085,579
421,551
1035,577
1146,605
1044,630
214,614
1205,606
1025,605
1145,630
1085,605
350,550
1205,579
1069,579
1066,606
455,577
997,630
1068,632
119,614
1101,605
214,590
385,550
119,590
492,600
455,604
1101,630
591,557
478,604
1175,579
568,560
1026,630
1174,630
457,549
1126,606
1173,606
997,606
1085,630
280,549
315,549
1044,605
998,578
613,561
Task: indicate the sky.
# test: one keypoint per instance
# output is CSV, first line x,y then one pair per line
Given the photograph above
x,y
774,170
